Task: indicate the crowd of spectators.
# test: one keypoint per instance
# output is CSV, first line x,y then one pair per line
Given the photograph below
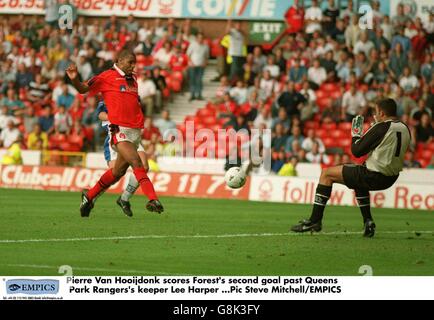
x,y
39,105
325,71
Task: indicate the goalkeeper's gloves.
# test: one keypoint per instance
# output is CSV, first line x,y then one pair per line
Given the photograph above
x,y
357,127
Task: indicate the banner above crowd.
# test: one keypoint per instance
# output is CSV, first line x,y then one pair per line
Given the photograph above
x,y
195,9
260,10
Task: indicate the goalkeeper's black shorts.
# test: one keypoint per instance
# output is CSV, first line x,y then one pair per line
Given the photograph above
x,y
359,177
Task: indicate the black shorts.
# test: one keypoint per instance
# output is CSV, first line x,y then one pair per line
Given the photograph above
x,y
359,177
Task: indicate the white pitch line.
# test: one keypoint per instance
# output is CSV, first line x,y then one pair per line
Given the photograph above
x,y
36,266
200,236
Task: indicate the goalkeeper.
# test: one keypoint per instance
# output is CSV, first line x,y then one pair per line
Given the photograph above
x,y
385,143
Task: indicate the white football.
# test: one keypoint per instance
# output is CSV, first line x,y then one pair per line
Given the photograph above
x,y
235,178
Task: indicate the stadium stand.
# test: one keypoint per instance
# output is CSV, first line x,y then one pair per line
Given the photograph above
x,y
316,78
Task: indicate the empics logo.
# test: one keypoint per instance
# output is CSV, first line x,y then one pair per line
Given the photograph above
x,y
13,287
32,287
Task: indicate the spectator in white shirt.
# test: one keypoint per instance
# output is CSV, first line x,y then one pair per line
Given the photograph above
x,y
352,32
9,135
105,53
313,18
348,13
62,121
378,16
144,32
84,68
131,24
429,24
165,124
309,108
198,54
316,73
239,93
387,28
147,91
315,156
272,67
408,81
264,117
309,141
363,45
267,84
163,55
5,117
353,102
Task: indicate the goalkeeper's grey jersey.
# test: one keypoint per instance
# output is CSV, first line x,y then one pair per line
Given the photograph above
x,y
386,143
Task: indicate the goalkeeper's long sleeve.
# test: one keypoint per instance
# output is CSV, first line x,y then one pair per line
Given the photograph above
x,y
370,140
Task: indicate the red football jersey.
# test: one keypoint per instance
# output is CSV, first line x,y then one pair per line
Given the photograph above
x,y
121,98
178,63
295,19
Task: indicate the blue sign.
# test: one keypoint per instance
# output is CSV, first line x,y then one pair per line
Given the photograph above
x,y
32,287
273,10
235,9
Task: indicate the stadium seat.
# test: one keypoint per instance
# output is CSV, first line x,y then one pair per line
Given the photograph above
x,y
205,112
337,134
182,128
209,120
345,143
311,125
364,88
329,87
329,126
140,58
321,94
199,126
195,119
215,48
336,94
176,75
89,133
329,142
321,133
426,154
346,126
164,73
215,127
175,85
56,140
423,162
76,141
323,102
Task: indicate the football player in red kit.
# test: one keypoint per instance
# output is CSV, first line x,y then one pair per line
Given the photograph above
x,y
118,86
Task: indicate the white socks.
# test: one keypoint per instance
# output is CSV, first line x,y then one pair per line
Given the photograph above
x,y
131,188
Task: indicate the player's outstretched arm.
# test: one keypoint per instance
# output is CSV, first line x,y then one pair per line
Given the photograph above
x,y
72,73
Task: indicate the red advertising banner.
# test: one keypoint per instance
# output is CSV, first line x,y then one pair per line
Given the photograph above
x,y
76,179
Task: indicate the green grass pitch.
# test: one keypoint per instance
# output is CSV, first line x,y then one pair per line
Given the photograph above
x,y
203,237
